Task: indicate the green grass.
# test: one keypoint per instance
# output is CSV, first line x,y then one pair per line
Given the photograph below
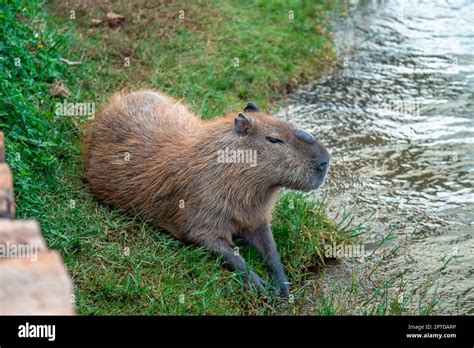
x,y
121,265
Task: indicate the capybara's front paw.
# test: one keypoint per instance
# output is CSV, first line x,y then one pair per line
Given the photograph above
x,y
254,282
282,289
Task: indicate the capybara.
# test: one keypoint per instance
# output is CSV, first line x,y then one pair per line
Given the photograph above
x,y
206,182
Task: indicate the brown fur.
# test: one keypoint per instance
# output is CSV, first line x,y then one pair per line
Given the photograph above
x,y
173,161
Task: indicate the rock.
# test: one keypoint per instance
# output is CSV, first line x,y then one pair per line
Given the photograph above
x,y
40,287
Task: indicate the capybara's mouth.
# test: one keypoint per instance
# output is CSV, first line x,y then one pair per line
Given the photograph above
x,y
321,178
321,170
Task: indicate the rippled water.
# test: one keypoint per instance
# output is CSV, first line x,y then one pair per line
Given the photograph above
x,y
398,118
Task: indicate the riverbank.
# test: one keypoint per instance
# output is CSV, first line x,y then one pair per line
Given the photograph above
x,y
216,58
404,71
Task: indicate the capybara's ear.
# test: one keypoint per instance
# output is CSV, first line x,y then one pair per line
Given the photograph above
x,y
251,107
242,124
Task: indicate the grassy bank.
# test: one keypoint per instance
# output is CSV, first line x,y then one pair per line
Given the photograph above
x,y
215,56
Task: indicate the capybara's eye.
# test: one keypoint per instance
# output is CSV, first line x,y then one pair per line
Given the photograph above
x,y
274,140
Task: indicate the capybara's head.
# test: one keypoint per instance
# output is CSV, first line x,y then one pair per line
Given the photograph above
x,y
287,156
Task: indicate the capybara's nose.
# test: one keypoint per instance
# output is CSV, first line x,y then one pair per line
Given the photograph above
x,y
323,166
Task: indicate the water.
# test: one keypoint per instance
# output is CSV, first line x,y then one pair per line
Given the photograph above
x,y
398,118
